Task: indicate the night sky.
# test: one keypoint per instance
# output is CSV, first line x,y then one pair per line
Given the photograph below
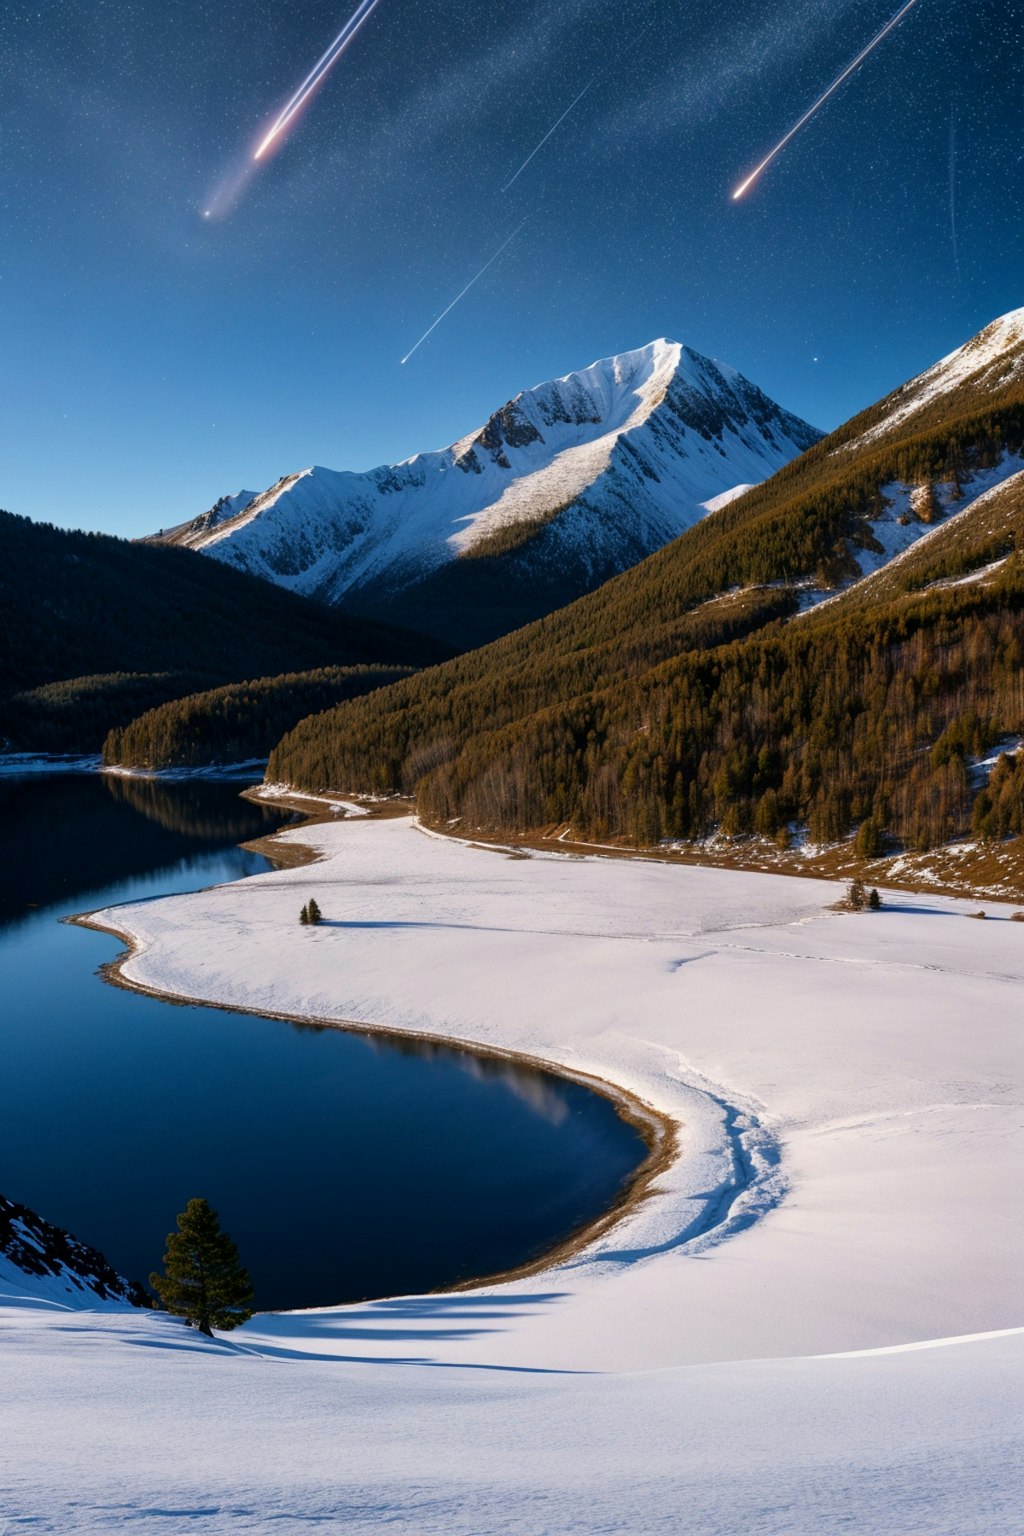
x,y
153,359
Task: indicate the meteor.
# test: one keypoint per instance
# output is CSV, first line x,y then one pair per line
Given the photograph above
x,y
462,295
952,193
320,69
547,136
746,185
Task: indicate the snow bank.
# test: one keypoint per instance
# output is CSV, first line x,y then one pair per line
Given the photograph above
x,y
848,1093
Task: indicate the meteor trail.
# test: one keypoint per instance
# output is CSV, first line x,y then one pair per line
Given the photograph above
x,y
462,295
547,136
317,73
952,193
745,186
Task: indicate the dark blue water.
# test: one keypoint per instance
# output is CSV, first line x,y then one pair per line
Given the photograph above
x,y
344,1166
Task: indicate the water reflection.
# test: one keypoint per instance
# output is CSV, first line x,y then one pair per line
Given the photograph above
x,y
66,836
345,1165
543,1093
185,807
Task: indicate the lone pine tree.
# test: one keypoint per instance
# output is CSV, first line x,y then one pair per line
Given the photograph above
x,y
203,1280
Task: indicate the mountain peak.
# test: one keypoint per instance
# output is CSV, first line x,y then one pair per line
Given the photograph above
x,y
586,474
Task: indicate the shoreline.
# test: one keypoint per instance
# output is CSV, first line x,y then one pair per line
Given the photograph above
x,y
1000,866
828,865
658,1131
965,870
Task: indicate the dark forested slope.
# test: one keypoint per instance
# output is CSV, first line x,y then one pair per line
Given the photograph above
x,y
238,722
80,603
96,629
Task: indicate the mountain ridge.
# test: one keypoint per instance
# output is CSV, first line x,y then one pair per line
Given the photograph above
x,y
608,462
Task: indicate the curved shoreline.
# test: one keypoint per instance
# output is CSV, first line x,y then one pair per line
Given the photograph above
x,y
658,1131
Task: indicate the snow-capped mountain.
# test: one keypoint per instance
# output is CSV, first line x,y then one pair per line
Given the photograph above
x,y
579,478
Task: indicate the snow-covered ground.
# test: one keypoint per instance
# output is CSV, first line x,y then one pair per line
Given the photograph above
x,y
243,770
732,1356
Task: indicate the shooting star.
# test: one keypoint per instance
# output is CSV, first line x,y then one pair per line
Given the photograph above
x,y
462,295
746,185
547,136
319,71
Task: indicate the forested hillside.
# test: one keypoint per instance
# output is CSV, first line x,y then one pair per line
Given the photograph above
x,y
76,714
84,603
97,629
239,722
690,693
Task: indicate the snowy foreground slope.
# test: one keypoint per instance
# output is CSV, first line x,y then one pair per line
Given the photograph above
x,y
614,460
788,1337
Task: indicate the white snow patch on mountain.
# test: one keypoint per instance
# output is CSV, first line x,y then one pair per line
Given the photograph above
x,y
641,445
898,528
715,503
996,353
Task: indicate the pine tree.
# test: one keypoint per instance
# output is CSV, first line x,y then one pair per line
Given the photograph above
x,y
315,914
304,914
203,1280
869,839
856,895
874,900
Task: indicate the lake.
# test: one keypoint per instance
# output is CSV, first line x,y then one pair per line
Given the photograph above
x,y
344,1166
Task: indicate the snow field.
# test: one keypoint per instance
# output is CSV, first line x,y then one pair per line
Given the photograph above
x,y
848,1092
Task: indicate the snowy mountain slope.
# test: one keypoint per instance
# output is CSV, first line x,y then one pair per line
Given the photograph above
x,y
225,507
614,461
985,519
984,367
45,1263
906,517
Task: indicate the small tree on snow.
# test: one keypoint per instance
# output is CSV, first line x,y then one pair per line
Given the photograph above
x,y
314,913
857,896
203,1281
304,915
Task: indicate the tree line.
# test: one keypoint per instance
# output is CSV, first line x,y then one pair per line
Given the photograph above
x,y
239,721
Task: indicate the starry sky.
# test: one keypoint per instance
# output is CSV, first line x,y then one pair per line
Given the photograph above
x,y
152,359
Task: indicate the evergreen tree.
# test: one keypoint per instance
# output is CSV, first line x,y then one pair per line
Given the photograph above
x,y
203,1280
874,900
869,839
857,896
315,914
304,914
